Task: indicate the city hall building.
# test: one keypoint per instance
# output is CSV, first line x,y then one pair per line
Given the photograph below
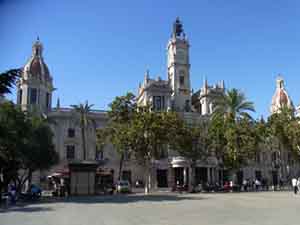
x,y
35,89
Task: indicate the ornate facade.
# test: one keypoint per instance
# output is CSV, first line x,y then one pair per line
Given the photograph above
x,y
35,89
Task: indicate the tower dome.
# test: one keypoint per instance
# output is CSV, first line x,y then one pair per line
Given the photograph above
x,y
280,98
36,68
35,85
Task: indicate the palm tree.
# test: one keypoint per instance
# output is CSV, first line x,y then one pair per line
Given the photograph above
x,y
84,121
232,105
8,79
230,119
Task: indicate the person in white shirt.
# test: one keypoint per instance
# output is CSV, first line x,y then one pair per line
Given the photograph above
x,y
294,184
298,183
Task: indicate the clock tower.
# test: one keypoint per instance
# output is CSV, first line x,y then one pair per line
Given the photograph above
x,y
179,68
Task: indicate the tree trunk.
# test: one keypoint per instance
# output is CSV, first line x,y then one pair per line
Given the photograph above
x,y
83,142
148,177
121,166
29,178
193,177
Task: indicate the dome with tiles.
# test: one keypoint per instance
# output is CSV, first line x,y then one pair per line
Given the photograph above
x,y
36,67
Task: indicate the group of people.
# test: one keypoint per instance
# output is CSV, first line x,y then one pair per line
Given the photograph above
x,y
60,187
296,184
256,184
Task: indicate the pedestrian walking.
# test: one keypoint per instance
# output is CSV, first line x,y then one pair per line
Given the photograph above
x,y
294,184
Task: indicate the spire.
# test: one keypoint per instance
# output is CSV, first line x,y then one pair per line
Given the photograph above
x,y
147,76
222,84
279,82
205,84
37,48
177,28
58,103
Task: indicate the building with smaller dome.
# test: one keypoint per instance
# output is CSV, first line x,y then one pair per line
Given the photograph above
x,y
35,88
280,98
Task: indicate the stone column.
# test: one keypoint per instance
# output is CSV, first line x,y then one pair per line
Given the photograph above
x,y
170,177
154,177
191,179
208,175
185,175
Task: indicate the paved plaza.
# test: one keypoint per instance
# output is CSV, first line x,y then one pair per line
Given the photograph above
x,y
270,208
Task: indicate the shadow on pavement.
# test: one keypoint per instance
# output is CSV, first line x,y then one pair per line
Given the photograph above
x,y
119,199
30,209
36,206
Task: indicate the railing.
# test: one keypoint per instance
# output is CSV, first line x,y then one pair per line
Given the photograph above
x,y
65,109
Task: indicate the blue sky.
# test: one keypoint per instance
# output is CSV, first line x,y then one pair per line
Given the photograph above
x,y
97,50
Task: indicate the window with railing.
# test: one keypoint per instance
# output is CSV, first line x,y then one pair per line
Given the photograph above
x,y
158,103
70,151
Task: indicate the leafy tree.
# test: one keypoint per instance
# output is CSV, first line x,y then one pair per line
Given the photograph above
x,y
191,143
241,143
25,145
8,79
84,121
39,152
13,137
283,130
120,114
101,140
149,136
232,130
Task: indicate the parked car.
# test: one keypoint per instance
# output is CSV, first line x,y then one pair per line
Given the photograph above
x,y
123,186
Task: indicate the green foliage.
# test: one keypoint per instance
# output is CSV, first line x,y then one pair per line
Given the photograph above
x,y
232,132
121,112
117,131
191,141
284,129
25,144
122,108
232,105
82,114
151,132
8,79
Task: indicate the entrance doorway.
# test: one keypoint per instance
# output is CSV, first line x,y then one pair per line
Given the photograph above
x,y
162,178
126,175
275,177
240,177
258,175
201,175
178,175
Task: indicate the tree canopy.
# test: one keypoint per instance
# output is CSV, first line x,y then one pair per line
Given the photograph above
x,y
25,144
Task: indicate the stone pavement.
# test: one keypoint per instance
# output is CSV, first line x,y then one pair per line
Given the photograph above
x,y
263,208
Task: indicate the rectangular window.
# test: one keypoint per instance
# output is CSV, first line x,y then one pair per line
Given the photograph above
x,y
181,80
71,132
158,103
33,96
48,100
162,102
20,96
70,151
